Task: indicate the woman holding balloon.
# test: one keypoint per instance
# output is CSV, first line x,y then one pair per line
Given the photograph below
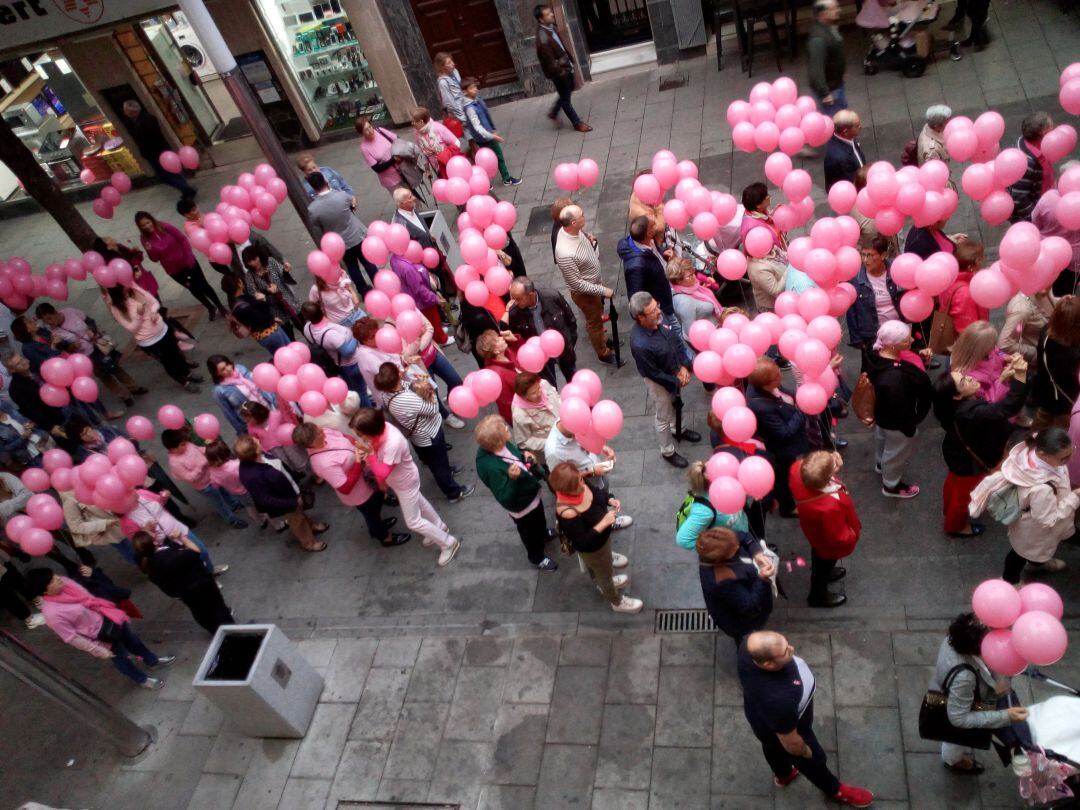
x,y
233,387
339,299
168,245
251,316
492,347
266,277
765,245
418,284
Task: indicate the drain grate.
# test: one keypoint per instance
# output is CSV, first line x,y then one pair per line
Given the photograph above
x,y
684,621
674,81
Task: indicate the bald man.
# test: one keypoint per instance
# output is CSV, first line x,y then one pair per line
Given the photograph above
x,y
578,258
778,700
843,155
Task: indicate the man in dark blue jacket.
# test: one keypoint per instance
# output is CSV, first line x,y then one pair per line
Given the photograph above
x,y
843,155
656,354
645,269
877,298
780,425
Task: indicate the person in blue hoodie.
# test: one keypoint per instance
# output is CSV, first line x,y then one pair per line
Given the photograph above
x,y
482,129
645,269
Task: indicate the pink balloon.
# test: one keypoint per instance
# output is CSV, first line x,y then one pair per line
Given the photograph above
x,y
766,136
207,427
676,214
485,384
35,479
459,166
989,127
666,173
916,305
1068,211
934,276
706,226
87,176
220,253
722,339
54,395
647,188
170,162
737,112
777,167
1037,636
486,160
812,303
480,210
505,215
120,447
410,325
84,389
388,340
756,476
377,303
402,302
278,189
37,542
266,376
792,140
727,495
102,208
62,480
396,238
607,418
1020,246
458,190
335,390
477,293
333,246
758,242
576,415
811,398
288,388
999,654
531,356
462,401
996,603
140,428
170,417
1009,166
189,157
756,336
590,381
111,196
815,127
284,434
375,250
996,207
313,403
1069,96
742,135
388,282
826,330
797,185
842,196
1039,596
708,366
962,144
55,459
731,263
739,361
762,111
566,177
721,465
132,470
414,252
495,236
58,371
552,342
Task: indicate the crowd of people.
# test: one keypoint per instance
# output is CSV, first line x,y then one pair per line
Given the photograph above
x,y
1006,402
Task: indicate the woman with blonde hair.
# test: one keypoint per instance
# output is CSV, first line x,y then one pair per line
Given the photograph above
x,y
697,513
975,354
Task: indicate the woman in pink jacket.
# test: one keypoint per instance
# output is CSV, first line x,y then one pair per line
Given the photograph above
x,y
168,245
140,314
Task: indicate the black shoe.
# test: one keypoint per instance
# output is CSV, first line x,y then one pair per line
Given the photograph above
x,y
838,573
389,523
675,460
213,315
691,436
829,600
449,447
610,361
390,499
396,539
129,403
935,363
547,564
976,530
140,390
840,444
195,378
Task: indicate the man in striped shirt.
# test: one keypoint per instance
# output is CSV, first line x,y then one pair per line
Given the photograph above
x,y
415,409
578,259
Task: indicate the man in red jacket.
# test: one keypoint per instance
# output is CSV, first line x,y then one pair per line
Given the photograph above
x,y
827,518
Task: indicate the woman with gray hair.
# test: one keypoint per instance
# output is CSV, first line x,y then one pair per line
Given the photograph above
x,y
903,396
931,142
693,301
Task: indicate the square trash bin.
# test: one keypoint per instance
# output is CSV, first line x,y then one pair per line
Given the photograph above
x,y
254,674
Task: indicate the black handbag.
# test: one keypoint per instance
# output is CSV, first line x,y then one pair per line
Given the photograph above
x,y
934,715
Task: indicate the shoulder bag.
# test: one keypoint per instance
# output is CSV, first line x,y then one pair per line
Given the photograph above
x,y
864,400
943,329
934,715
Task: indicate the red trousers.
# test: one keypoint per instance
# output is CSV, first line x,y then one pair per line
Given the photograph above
x,y
432,314
957,495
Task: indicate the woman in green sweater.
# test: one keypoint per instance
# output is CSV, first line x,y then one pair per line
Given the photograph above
x,y
702,515
514,479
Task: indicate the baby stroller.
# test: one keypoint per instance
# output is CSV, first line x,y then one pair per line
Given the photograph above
x,y
892,45
1049,773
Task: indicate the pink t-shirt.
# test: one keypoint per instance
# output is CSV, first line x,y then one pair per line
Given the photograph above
x,y
266,433
227,476
394,452
337,302
190,465
333,464
150,507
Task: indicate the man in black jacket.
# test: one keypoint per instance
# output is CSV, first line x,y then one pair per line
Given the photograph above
x,y
843,155
534,311
25,391
656,354
557,65
781,426
146,132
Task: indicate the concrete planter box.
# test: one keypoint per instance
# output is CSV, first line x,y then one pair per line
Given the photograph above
x,y
263,686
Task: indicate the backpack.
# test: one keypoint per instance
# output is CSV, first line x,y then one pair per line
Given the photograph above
x,y
1003,505
322,358
910,154
687,505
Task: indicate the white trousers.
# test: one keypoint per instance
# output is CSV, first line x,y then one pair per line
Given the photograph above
x,y
421,517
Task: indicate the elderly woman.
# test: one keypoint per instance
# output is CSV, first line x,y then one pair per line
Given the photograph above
x,y
735,581
305,162
535,408
975,354
767,274
976,432
1057,359
1025,318
233,388
697,513
902,400
265,277
400,170
961,672
586,517
930,144
514,477
436,142
693,300
492,348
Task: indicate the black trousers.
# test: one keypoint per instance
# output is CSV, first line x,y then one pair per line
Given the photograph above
x,y
815,768
371,509
567,362
437,460
207,605
167,352
354,260
820,569
782,488
532,528
12,593
1014,567
193,279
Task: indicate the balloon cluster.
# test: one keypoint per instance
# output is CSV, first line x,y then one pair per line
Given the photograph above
x,y
1028,262
891,195
1067,210
479,388
19,286
796,185
1069,95
572,176
387,300
730,351
988,183
693,203
294,378
186,157
535,353
1026,625
382,241
249,203
463,180
109,197
594,421
777,116
483,229
62,373
731,481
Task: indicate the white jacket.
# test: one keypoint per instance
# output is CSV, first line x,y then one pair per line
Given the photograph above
x,y
1047,505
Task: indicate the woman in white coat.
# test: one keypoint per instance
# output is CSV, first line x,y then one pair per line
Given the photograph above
x,y
1048,504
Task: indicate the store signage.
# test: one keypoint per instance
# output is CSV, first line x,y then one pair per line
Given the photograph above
x,y
25,22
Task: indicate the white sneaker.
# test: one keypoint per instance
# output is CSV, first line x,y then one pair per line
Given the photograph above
x,y
158,683
628,605
35,620
449,340
454,421
620,581
623,522
448,553
220,569
619,560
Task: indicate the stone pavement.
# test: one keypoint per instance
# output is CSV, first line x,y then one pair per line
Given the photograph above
x,y
488,684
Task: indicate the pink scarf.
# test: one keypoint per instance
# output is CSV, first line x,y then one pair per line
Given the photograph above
x,y
701,293
379,468
528,405
249,389
944,242
75,594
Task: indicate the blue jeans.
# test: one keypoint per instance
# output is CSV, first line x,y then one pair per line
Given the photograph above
x,y
355,380
442,368
274,341
225,503
125,644
352,317
839,102
686,356
564,86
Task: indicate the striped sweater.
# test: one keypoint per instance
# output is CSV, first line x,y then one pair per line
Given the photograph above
x,y
418,418
579,261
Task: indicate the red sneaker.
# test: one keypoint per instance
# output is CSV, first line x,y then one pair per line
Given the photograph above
x,y
855,796
786,780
